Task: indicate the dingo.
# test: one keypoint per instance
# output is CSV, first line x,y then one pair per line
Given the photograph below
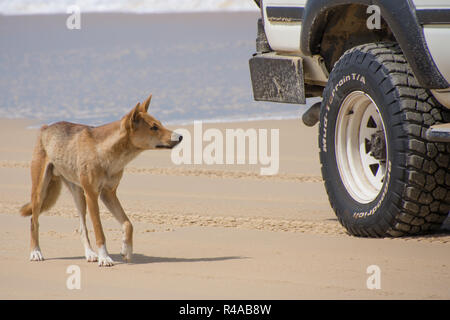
x,y
90,162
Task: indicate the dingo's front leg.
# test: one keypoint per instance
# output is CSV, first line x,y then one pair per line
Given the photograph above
x,y
111,201
92,203
80,202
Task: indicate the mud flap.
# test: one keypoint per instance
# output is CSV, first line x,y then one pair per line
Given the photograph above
x,y
277,78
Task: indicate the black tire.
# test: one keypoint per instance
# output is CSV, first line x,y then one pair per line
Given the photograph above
x,y
415,193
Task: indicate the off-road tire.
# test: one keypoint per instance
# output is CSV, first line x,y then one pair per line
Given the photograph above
x,y
415,196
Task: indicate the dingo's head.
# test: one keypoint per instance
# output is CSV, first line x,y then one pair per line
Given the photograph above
x,y
146,132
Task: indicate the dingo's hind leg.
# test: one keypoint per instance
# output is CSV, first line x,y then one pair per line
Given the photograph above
x,y
45,188
45,191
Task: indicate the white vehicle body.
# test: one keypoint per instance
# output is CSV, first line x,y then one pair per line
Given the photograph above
x,y
284,39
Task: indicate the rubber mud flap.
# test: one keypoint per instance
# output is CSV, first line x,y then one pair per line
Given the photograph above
x,y
277,78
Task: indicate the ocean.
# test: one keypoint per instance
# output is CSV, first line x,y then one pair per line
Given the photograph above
x,y
192,57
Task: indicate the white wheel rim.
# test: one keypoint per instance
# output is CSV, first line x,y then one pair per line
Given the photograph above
x,y
358,120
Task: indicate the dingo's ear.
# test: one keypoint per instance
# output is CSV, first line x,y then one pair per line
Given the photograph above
x,y
144,106
131,117
135,112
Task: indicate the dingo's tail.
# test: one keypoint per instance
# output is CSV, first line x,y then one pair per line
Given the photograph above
x,y
25,211
45,187
51,195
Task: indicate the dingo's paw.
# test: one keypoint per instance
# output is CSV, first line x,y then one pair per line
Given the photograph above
x,y
126,252
90,255
105,261
36,255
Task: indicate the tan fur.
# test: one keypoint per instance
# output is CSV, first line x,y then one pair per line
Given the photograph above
x,y
90,161
25,211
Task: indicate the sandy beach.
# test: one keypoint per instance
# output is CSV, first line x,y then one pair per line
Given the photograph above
x,y
211,232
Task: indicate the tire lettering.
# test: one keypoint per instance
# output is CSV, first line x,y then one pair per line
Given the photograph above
x,y
345,79
325,125
359,215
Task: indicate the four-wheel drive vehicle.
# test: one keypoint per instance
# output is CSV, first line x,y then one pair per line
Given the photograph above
x,y
383,70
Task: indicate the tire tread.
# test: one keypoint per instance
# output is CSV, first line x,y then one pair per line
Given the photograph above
x,y
424,193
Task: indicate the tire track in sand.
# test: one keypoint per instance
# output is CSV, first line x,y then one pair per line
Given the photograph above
x,y
208,173
175,219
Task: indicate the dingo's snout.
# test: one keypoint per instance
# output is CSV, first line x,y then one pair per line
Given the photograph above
x,y
175,139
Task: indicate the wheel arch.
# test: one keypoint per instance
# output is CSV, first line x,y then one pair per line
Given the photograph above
x,y
323,24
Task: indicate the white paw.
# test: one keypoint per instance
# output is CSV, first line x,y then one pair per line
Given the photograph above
x,y
36,255
127,252
90,255
105,261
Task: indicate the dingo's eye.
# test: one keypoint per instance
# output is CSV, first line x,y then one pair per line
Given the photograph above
x,y
154,128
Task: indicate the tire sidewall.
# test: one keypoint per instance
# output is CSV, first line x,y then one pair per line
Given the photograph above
x,y
343,81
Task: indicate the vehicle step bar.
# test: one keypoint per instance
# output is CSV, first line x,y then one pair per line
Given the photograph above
x,y
312,115
439,133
